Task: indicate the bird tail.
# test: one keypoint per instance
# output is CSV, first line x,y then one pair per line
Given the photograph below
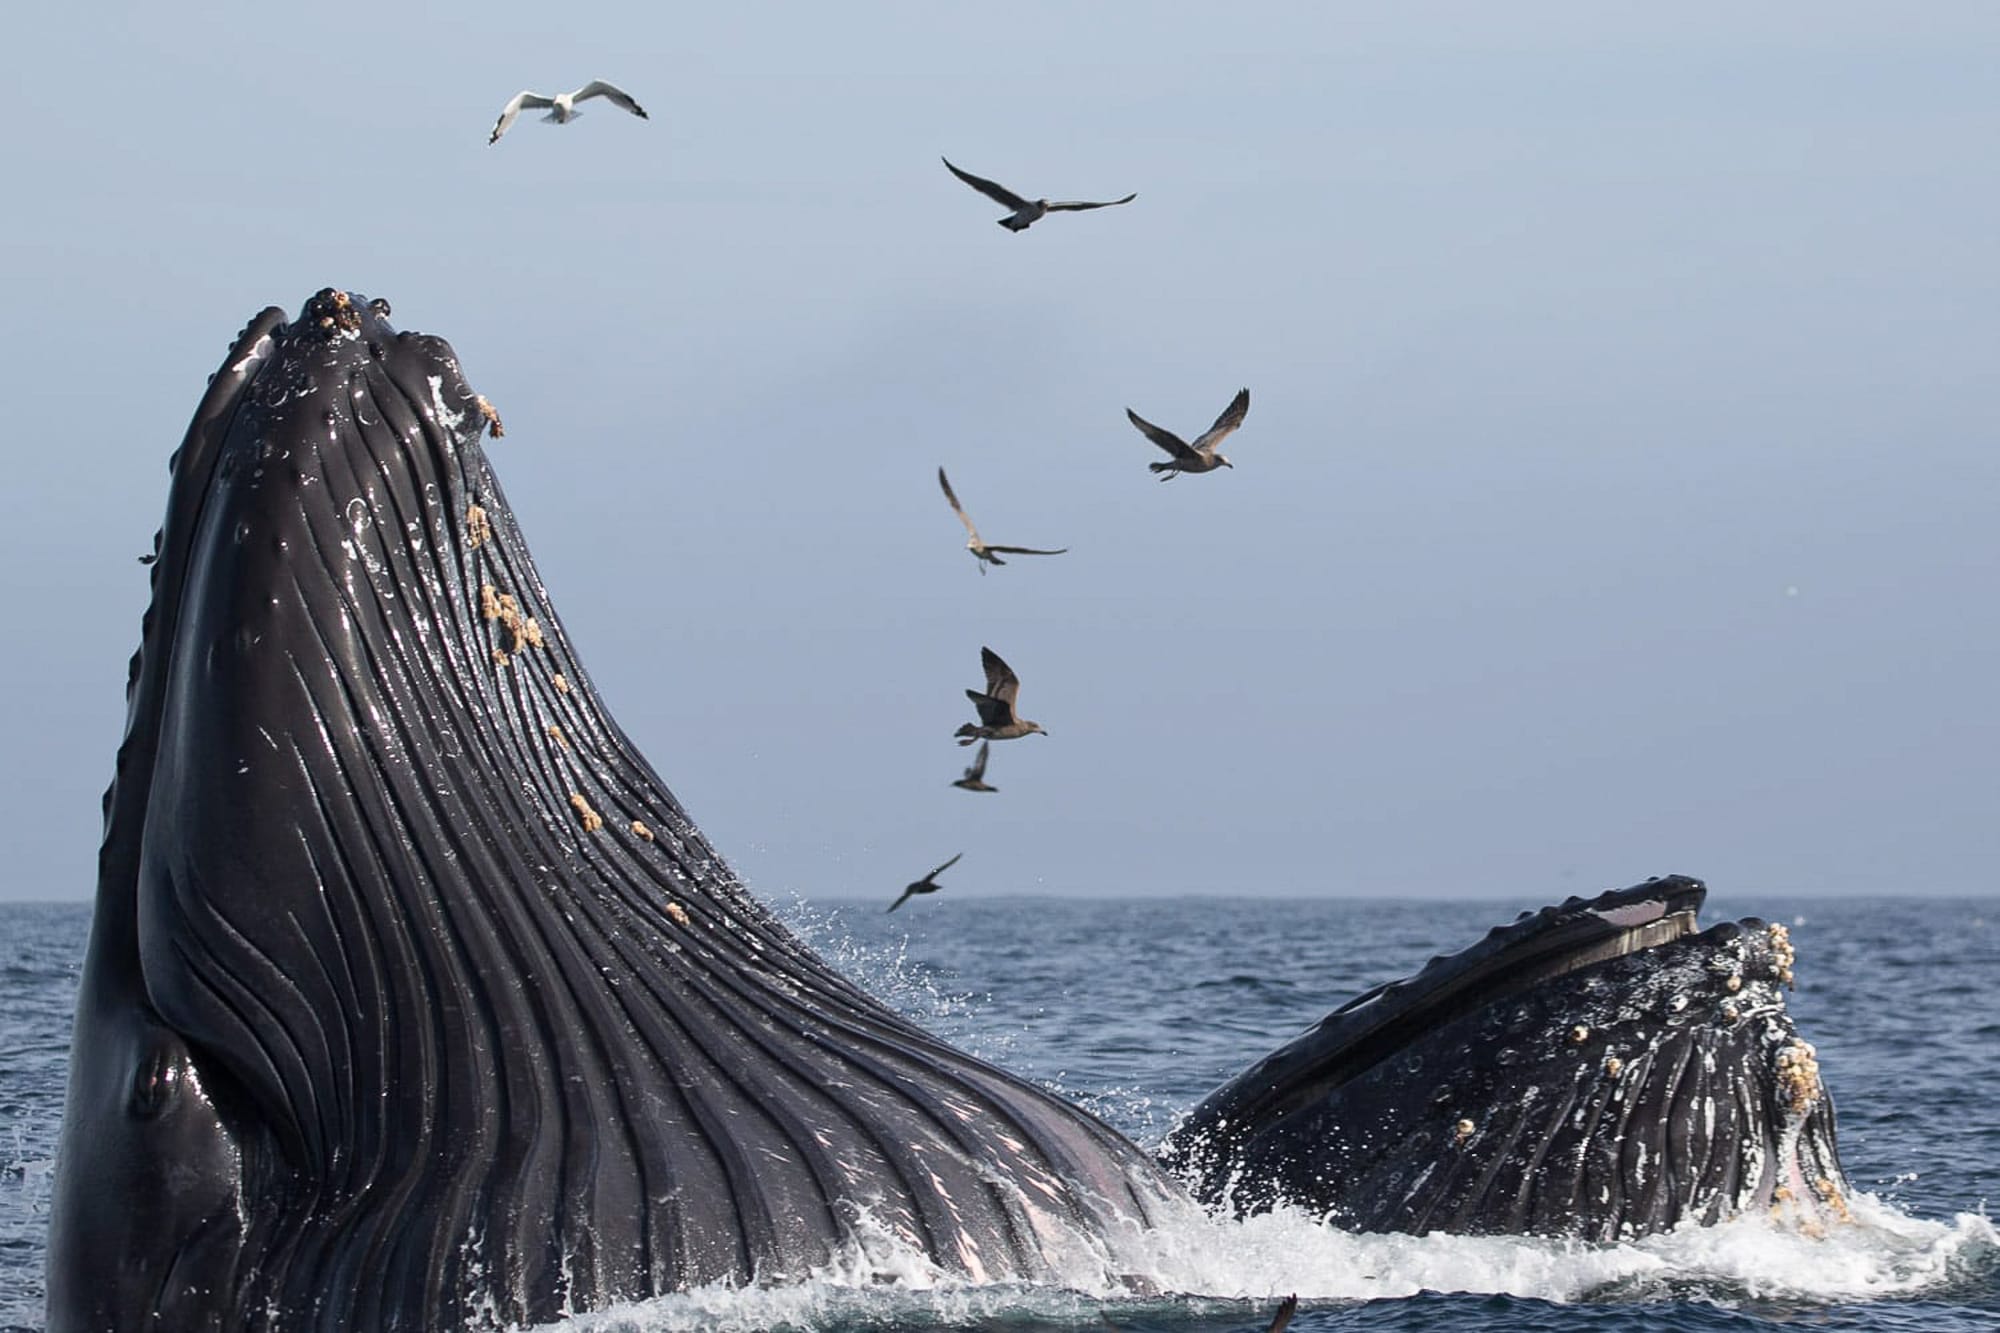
x,y
968,734
1161,467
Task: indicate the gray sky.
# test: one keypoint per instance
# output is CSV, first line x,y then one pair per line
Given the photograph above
x,y
1618,494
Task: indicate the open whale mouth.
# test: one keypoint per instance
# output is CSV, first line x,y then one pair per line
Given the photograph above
x,y
415,1000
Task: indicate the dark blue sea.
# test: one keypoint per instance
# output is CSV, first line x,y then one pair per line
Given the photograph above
x,y
1137,1008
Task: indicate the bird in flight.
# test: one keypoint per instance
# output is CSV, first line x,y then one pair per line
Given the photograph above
x,y
997,719
1199,456
983,553
928,884
975,776
1026,211
562,107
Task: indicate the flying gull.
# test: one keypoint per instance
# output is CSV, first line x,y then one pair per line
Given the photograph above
x,y
997,719
928,884
562,107
983,553
1199,456
975,776
1026,211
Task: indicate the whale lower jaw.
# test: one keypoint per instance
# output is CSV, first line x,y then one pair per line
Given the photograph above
x,y
414,999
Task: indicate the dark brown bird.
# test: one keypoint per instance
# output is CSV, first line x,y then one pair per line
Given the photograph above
x,y
1286,1309
1199,456
997,719
928,884
975,776
1026,212
983,553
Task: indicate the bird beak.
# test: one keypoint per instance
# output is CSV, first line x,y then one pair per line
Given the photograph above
x,y
1226,463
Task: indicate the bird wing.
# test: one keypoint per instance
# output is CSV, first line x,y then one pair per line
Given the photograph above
x,y
1027,550
941,869
1286,1309
1001,682
992,712
618,96
999,194
1232,417
956,507
1166,439
1077,206
900,901
977,772
513,109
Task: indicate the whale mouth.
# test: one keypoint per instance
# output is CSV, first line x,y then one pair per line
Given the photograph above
x,y
405,963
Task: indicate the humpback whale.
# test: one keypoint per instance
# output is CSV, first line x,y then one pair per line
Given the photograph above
x,y
413,999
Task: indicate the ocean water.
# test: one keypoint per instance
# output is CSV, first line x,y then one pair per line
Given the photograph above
x,y
1136,1008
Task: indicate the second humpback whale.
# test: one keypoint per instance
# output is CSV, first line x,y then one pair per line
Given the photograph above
x,y
414,1000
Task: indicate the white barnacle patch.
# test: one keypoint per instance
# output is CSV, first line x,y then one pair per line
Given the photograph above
x,y
1797,1066
450,419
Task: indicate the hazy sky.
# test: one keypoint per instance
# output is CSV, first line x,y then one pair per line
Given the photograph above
x,y
1618,495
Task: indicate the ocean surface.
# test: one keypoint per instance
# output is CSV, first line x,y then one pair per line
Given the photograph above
x,y
1136,1008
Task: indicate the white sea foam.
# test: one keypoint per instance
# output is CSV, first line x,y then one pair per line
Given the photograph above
x,y
1201,1265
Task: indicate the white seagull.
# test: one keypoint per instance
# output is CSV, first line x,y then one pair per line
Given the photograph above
x,y
562,107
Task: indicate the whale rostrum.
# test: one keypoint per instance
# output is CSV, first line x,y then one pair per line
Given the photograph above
x,y
413,999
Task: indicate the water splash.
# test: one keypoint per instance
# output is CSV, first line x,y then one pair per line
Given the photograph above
x,y
1201,1268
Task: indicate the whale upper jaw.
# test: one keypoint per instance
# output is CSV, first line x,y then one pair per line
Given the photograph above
x,y
1601,1068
